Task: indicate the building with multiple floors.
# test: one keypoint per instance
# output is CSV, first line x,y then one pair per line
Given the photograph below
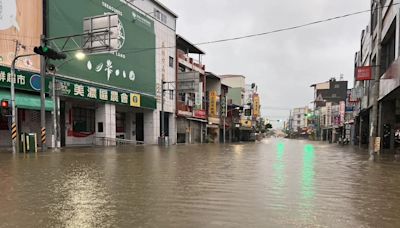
x,y
142,84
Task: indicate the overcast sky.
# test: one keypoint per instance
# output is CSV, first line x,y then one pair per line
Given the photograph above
x,y
284,65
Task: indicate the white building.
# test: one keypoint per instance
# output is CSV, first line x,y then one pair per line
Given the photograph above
x,y
298,119
165,29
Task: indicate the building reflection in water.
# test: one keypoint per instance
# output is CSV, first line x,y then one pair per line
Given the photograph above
x,y
308,179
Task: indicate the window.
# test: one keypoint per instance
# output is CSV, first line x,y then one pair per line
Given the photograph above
x,y
182,97
83,120
160,16
120,122
334,95
171,61
164,18
388,54
298,116
157,14
337,86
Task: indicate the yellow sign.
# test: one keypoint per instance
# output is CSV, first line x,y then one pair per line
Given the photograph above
x,y
213,103
377,146
256,106
135,100
246,123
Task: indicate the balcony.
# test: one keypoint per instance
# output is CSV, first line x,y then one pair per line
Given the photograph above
x,y
189,62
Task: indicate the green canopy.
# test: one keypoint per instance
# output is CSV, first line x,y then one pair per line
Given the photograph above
x,y
26,101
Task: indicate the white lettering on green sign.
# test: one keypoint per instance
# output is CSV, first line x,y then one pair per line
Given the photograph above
x,y
79,90
92,92
114,96
103,94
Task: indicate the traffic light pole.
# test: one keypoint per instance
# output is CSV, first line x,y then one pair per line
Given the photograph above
x,y
14,120
43,97
13,107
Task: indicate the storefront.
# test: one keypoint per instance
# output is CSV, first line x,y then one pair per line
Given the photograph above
x,y
28,104
213,130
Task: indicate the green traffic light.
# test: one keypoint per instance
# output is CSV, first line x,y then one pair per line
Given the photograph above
x,y
45,49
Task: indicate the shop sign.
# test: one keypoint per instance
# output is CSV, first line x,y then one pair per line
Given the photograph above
x,y
199,97
80,90
23,80
377,144
135,100
202,114
256,106
246,123
185,113
223,107
364,73
342,111
213,120
131,66
213,103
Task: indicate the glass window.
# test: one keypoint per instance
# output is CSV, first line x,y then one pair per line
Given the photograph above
x,y
83,120
120,122
171,61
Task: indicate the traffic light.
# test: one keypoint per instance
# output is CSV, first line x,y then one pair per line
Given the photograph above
x,y
49,53
247,112
5,108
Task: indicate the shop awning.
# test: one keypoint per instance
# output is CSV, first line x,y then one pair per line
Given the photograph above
x,y
27,101
245,129
199,120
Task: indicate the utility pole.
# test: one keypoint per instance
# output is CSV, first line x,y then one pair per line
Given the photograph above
x,y
14,125
43,96
163,90
377,74
162,136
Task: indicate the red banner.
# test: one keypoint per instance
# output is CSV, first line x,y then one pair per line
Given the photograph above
x,y
364,73
201,114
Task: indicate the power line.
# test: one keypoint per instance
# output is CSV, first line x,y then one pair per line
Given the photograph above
x,y
269,32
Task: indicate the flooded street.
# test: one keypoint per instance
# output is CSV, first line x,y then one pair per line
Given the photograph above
x,y
274,183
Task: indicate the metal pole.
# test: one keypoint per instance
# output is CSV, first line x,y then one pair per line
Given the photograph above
x,y
374,116
13,107
42,98
54,111
224,131
162,113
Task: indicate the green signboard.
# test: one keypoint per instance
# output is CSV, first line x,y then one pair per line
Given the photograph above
x,y
131,68
29,81
24,80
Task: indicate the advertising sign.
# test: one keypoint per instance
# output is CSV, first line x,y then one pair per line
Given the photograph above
x,y
223,107
131,67
364,73
202,114
213,103
256,106
20,20
135,100
29,81
246,123
199,97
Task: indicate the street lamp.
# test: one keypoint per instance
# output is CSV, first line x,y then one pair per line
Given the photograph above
x,y
80,55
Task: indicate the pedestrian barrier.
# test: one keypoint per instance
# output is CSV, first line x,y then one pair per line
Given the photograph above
x,y
106,141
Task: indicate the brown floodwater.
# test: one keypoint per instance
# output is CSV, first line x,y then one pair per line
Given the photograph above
x,y
274,183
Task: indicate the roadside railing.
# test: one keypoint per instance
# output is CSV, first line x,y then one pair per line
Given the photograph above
x,y
106,141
